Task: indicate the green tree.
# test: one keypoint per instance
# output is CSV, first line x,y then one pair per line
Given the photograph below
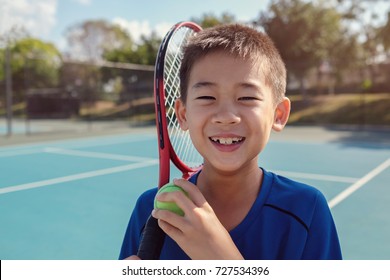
x,y
8,39
146,51
210,20
344,56
89,40
143,53
370,31
34,64
384,35
304,33
92,42
2,65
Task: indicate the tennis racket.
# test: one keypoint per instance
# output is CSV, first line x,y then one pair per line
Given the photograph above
x,y
174,144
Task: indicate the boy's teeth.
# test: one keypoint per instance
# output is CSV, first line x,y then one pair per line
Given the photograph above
x,y
226,141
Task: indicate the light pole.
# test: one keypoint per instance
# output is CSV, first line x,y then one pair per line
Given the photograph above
x,y
8,89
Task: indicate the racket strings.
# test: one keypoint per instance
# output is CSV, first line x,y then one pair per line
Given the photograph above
x,y
180,139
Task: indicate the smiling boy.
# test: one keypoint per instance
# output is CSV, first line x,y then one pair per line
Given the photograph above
x,y
233,83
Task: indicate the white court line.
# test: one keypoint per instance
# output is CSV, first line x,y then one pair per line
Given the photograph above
x,y
20,153
319,177
109,142
360,183
21,149
95,155
76,177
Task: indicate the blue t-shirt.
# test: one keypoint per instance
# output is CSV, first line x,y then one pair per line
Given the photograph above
x,y
289,220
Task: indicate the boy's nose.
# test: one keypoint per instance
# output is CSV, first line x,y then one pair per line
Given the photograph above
x,y
226,114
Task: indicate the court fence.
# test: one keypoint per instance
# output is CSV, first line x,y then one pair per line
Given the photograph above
x,y
79,94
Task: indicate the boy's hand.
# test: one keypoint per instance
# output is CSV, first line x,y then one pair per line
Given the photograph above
x,y
199,233
133,257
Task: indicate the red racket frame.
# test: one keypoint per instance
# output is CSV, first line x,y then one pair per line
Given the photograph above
x,y
166,151
153,236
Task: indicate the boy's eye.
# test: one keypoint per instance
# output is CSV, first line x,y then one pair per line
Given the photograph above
x,y
205,97
248,98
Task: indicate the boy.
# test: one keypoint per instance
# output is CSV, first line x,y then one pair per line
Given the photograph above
x,y
233,84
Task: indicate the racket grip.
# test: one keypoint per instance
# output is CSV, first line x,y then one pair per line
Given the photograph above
x,y
152,241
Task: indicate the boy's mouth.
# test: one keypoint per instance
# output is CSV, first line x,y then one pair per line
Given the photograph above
x,y
227,140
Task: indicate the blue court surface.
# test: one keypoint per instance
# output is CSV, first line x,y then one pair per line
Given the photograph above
x,y
71,199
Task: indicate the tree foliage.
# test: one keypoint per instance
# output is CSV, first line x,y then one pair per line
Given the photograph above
x,y
372,34
209,19
89,40
143,53
307,33
384,33
34,64
304,32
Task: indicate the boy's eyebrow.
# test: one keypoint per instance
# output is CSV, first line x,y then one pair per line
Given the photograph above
x,y
203,84
250,84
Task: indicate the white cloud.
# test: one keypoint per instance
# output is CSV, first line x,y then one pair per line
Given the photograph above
x,y
163,28
83,2
138,28
36,17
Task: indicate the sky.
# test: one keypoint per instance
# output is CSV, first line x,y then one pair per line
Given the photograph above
x,y
49,19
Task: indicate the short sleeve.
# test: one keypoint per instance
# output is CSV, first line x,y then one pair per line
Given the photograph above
x,y
139,216
322,241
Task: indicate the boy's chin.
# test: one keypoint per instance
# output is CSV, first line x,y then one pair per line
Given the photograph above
x,y
226,168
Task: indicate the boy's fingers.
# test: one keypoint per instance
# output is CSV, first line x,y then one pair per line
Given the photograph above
x,y
171,223
193,191
134,257
169,229
182,200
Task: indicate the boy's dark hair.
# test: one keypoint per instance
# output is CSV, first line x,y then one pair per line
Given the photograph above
x,y
240,41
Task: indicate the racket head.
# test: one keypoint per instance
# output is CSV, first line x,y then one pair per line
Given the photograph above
x,y
172,141
174,144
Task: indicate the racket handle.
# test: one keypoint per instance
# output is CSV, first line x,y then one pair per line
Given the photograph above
x,y
152,241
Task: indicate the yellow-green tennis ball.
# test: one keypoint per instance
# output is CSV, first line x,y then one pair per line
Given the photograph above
x,y
171,206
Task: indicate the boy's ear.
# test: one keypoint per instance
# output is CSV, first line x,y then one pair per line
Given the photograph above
x,y
282,112
180,111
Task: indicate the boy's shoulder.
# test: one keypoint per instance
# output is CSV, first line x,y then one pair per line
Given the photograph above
x,y
145,202
295,198
288,188
148,194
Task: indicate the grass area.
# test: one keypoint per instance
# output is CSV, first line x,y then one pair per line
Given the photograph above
x,y
141,109
345,109
351,109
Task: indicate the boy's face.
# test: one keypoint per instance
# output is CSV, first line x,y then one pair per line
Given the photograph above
x,y
229,111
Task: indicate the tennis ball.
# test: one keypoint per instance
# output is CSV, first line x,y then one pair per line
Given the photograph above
x,y
171,206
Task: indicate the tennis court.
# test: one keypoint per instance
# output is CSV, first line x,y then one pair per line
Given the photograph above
x,y
71,199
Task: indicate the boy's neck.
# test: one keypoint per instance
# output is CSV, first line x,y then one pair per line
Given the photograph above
x,y
231,196
218,185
